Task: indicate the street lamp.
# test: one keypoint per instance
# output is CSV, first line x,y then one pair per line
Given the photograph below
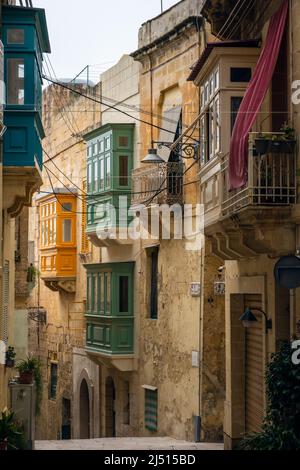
x,y
186,151
152,157
248,318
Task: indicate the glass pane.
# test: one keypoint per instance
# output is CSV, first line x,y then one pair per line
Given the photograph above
x,y
54,231
216,79
67,230
101,178
96,293
107,164
95,175
123,168
108,294
102,299
67,207
88,294
92,304
15,36
123,294
101,146
15,78
107,143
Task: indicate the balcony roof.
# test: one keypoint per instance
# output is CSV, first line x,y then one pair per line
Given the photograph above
x,y
211,46
17,14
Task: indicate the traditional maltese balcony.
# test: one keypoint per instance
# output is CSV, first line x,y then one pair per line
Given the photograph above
x,y
158,184
243,222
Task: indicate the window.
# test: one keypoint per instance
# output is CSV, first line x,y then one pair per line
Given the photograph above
x,y
123,170
123,294
154,284
67,230
123,141
151,401
235,106
126,406
89,177
15,78
95,175
67,207
101,176
15,36
107,169
53,380
108,293
240,74
210,124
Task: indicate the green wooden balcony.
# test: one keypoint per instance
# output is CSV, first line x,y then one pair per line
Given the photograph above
x,y
109,314
109,167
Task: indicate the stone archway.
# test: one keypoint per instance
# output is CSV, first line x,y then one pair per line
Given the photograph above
x,y
110,415
84,410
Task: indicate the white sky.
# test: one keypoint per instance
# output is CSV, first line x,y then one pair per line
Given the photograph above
x,y
94,32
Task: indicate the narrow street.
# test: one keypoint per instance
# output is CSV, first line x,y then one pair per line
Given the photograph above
x,y
130,443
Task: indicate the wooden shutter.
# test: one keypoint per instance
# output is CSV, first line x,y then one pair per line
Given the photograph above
x,y
254,369
84,239
5,304
151,410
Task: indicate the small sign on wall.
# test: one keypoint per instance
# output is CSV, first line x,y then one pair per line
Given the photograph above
x,y
195,359
195,289
219,288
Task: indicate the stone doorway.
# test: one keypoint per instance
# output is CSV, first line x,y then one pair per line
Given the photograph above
x,y
84,411
110,414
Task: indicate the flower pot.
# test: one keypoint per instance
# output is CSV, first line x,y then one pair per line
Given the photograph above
x,y
10,363
262,146
282,146
3,445
26,378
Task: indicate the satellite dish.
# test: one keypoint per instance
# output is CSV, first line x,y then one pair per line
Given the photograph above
x,y
287,272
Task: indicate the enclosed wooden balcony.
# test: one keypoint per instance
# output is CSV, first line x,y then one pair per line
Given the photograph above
x,y
110,314
158,184
242,222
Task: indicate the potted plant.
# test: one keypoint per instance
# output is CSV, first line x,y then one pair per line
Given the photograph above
x,y
11,434
30,371
10,357
262,144
277,143
26,369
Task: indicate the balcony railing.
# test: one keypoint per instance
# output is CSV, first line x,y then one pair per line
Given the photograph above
x,y
159,184
271,180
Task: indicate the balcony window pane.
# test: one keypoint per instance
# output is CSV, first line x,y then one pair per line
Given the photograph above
x,y
102,296
15,36
123,169
108,174
89,294
15,78
89,177
67,230
108,293
123,294
107,143
101,146
95,175
67,207
96,308
101,177
54,231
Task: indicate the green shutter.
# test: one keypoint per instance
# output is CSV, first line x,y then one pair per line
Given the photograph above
x,y
151,410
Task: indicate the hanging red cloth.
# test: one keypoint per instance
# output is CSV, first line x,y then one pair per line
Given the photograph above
x,y
254,97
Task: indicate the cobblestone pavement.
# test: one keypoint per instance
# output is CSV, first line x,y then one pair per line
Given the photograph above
x,y
130,443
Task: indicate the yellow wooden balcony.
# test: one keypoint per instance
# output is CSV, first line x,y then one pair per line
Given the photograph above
x,y
58,244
